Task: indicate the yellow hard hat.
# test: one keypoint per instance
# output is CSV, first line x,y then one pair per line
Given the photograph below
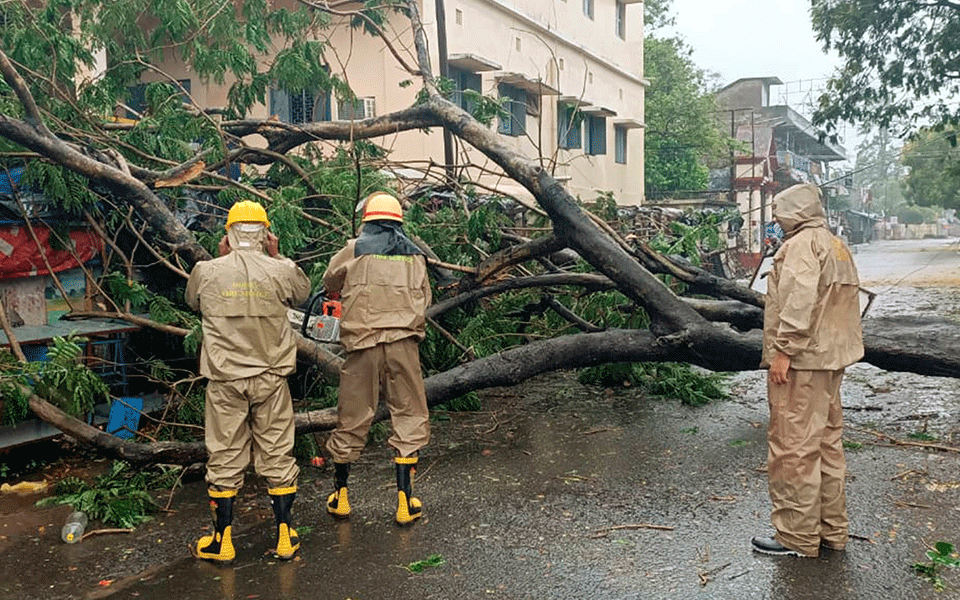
x,y
381,205
247,211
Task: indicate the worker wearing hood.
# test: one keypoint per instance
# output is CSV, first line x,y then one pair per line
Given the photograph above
x,y
811,333
382,280
249,349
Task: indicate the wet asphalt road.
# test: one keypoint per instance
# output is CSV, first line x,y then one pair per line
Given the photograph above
x,y
558,490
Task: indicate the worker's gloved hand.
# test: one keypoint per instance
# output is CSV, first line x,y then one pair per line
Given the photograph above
x,y
271,245
333,295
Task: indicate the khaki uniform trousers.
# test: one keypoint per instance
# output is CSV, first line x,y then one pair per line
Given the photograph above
x,y
394,368
805,462
244,416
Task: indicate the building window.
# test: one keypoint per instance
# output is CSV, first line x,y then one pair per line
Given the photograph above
x,y
137,97
621,20
569,126
515,103
620,145
596,133
463,81
356,109
458,14
561,64
588,8
305,106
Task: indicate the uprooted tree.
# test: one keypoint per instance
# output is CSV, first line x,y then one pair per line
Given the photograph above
x,y
625,301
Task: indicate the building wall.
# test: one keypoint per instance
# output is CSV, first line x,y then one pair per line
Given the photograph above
x,y
553,41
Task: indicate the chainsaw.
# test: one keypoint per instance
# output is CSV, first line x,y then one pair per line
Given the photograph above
x,y
323,327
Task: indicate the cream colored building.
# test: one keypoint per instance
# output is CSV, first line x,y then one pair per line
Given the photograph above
x,y
572,69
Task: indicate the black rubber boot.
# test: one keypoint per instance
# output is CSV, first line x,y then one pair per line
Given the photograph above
x,y
287,539
409,509
338,503
218,546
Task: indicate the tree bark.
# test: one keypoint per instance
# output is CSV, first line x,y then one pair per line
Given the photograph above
x,y
685,330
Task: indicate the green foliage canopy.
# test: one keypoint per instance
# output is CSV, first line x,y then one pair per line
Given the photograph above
x,y
933,160
879,169
681,131
900,62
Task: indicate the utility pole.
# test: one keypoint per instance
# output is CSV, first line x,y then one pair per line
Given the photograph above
x,y
449,159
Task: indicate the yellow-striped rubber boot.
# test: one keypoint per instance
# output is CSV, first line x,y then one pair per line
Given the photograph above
x,y
218,546
288,542
409,509
338,503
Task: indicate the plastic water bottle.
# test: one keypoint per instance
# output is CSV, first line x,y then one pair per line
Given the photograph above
x,y
72,531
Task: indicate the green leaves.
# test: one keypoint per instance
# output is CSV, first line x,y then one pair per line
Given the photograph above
x,y
933,161
671,380
66,188
681,133
62,378
119,497
899,62
942,556
434,560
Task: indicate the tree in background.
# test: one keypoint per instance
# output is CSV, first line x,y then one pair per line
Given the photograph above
x,y
901,62
681,132
879,173
933,160
508,308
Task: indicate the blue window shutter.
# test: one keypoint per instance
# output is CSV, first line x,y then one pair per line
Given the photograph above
x,y
280,105
519,112
137,100
597,133
570,127
185,94
470,81
620,145
505,120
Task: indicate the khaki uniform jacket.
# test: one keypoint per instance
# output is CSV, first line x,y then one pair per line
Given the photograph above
x,y
384,297
243,298
812,311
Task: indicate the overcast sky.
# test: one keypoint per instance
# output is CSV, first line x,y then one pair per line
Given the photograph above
x,y
754,38
759,38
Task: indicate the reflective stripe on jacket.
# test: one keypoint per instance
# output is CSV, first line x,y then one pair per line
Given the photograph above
x,y
243,298
384,297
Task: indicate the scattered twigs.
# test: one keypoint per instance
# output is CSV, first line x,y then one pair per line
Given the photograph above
x,y
173,489
451,266
602,532
567,314
153,251
130,318
705,576
904,503
468,352
898,442
104,531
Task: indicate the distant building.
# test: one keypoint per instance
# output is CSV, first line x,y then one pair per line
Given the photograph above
x,y
779,148
571,73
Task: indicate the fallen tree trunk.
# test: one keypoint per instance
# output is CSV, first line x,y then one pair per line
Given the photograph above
x,y
715,347
681,329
